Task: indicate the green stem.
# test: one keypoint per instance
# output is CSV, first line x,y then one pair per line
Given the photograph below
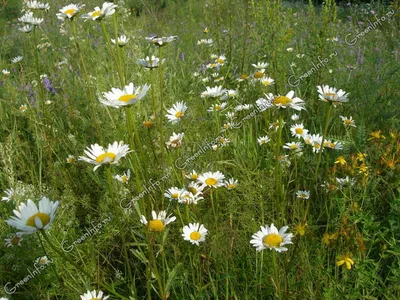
x,y
118,54
278,173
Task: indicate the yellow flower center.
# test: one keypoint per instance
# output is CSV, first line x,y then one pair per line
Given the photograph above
x,y
329,144
211,181
282,100
244,76
294,146
218,107
212,65
109,156
179,114
70,11
70,160
42,261
156,225
317,146
299,130
266,82
303,196
124,178
273,240
330,96
258,74
192,190
95,299
231,186
175,195
97,13
194,176
147,124
127,97
15,240
220,60
195,236
45,218
347,122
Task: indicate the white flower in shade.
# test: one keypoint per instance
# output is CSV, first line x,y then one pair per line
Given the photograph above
x,y
122,40
241,107
266,81
187,197
303,194
27,28
173,193
5,72
345,181
159,221
70,159
307,139
298,130
176,112
92,295
161,41
217,107
296,146
263,140
193,175
28,18
231,183
212,66
15,240
99,156
289,49
212,179
175,140
295,117
331,94
69,11
108,9
127,96
124,178
43,260
206,42
229,94
242,78
288,101
35,5
29,218
9,195
194,233
258,74
150,63
271,238
16,59
316,142
333,145
195,188
260,65
213,92
263,104
220,60
348,122
300,55
23,108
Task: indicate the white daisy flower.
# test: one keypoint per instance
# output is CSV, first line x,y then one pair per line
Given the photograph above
x,y
173,193
348,122
159,221
195,188
298,130
331,94
29,218
212,179
194,233
15,240
187,197
263,140
161,41
23,108
316,142
108,9
35,5
213,92
231,183
295,117
92,295
258,74
296,146
217,107
122,40
307,139
150,63
43,260
176,112
175,140
303,194
260,65
229,94
289,49
206,42
220,60
271,238
193,175
124,178
9,195
242,107
5,72
127,96
16,59
345,181
69,11
333,145
266,81
70,159
98,156
28,18
287,101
